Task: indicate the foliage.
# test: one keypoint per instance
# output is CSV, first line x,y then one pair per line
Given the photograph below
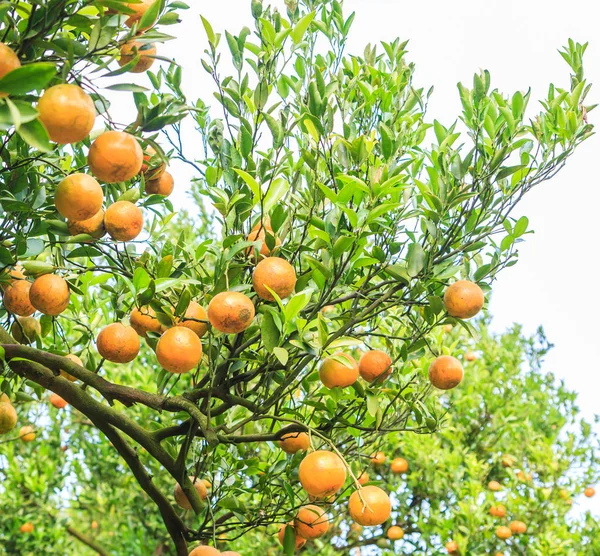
x,y
331,148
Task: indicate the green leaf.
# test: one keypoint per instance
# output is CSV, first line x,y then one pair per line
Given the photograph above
x,y
27,78
301,27
127,87
250,182
415,260
277,189
35,134
269,332
150,15
508,171
521,226
281,354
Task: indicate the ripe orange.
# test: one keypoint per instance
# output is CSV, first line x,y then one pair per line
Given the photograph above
x,y
463,299
446,372
356,528
123,221
76,360
26,527
294,442
378,458
78,197
311,522
369,506
522,476
153,166
162,185
508,461
14,274
118,343
67,112
8,417
300,542
25,329
57,401
49,294
16,298
518,527
230,312
276,274
335,374
395,533
194,314
204,551
375,364
93,226
259,233
399,465
146,52
115,156
182,499
563,493
589,492
494,486
447,328
363,478
8,61
207,483
503,532
27,434
94,524
143,320
498,511
452,547
140,9
322,473
179,350
470,356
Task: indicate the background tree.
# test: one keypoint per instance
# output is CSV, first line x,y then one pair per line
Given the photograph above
x,y
338,231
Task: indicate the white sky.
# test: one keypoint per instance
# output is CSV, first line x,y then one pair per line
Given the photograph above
x,y
517,41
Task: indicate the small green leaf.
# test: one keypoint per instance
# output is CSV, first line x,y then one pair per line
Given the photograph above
x,y
27,78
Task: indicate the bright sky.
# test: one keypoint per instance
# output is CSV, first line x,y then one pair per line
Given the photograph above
x,y
517,42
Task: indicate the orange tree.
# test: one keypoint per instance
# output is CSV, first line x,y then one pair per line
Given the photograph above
x,y
334,236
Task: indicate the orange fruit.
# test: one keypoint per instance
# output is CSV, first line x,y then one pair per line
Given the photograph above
x,y
563,493
26,527
195,319
399,465
49,294
446,372
517,527
259,233
140,9
322,473
356,528
447,328
207,483
179,350
115,156
589,492
27,434
452,547
494,486
374,364
230,553
503,532
470,356
204,551
300,542
25,329
93,226
118,343
143,320
8,417
230,312
311,522
363,478
498,511
335,374
123,221
276,274
463,299
94,524
14,274
162,185
57,401
67,112
153,166
16,298
76,360
369,506
78,197
131,49
395,533
294,442
378,458
8,61
508,461
182,499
